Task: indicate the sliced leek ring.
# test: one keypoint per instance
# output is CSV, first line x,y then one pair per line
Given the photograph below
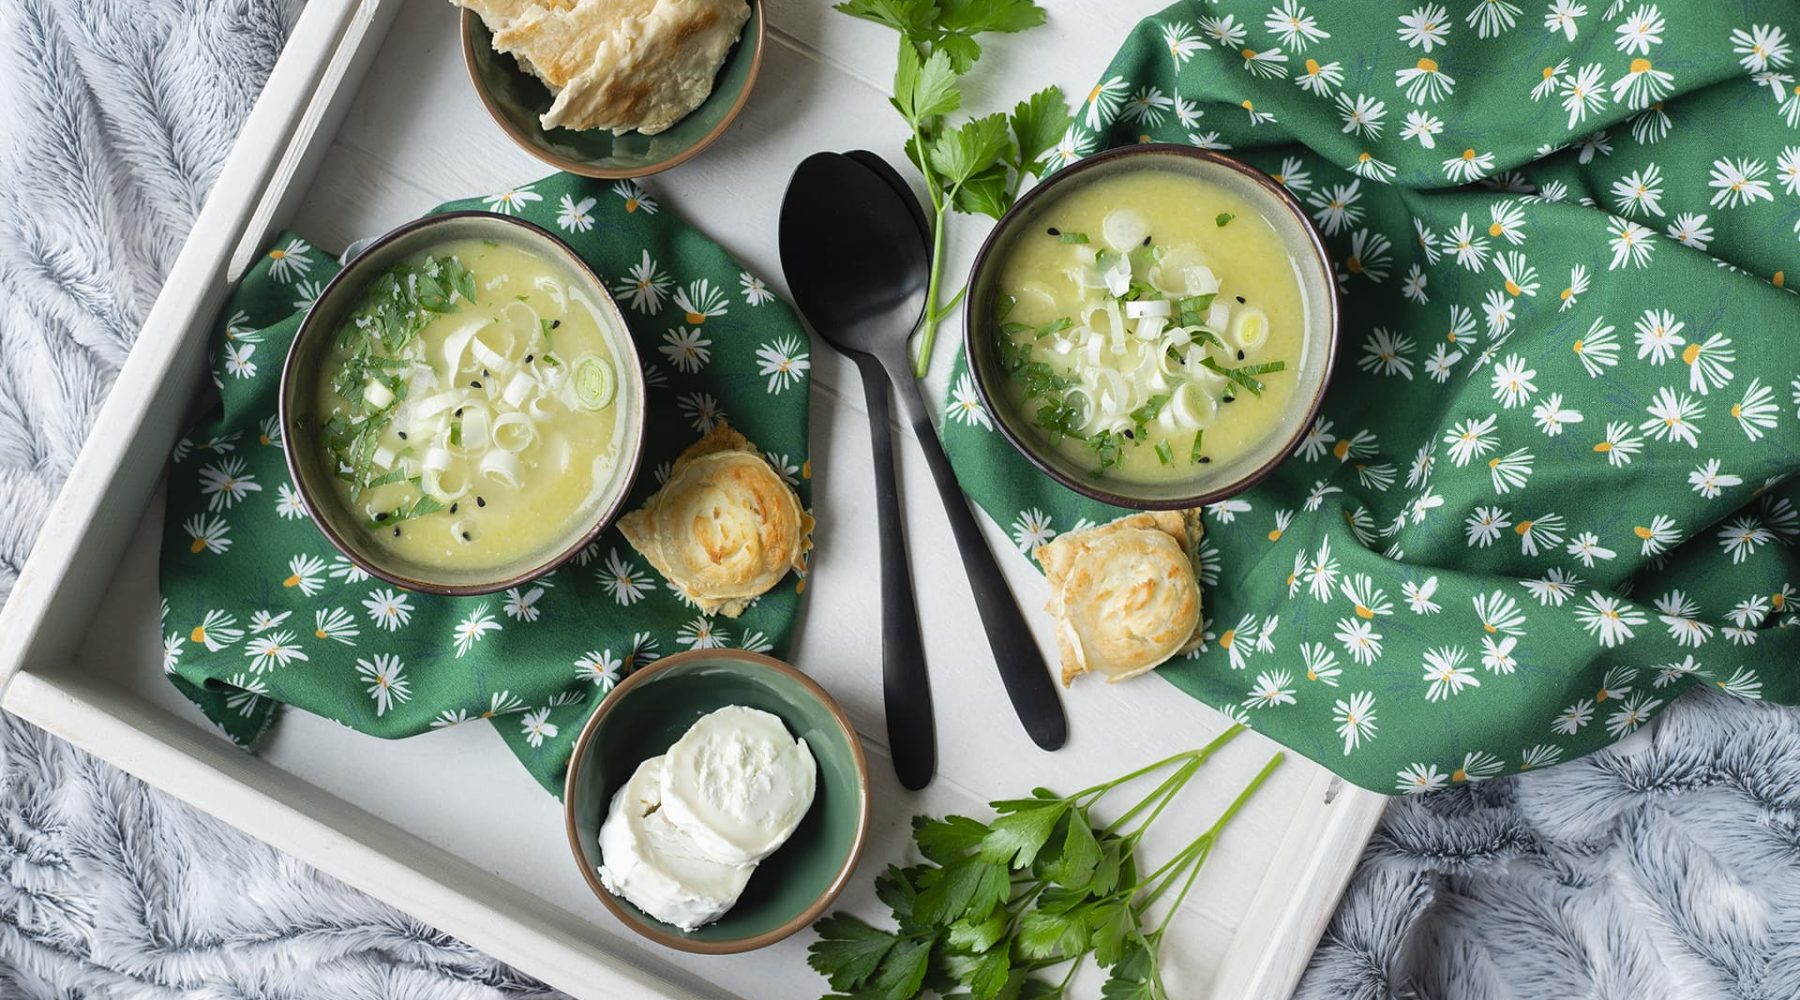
x,y
1250,328
594,382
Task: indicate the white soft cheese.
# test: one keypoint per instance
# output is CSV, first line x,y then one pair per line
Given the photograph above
x,y
655,864
738,783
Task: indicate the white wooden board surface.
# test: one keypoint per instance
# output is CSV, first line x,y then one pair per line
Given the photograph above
x,y
414,135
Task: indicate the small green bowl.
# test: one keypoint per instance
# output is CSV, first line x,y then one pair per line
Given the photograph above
x,y
648,712
516,98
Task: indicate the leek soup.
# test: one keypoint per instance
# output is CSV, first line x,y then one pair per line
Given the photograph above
x,y
470,408
1151,325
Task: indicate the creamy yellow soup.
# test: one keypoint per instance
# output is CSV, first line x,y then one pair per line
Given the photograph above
x,y
1152,325
470,408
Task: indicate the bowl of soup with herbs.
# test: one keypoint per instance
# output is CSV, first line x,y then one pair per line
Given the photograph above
x,y
463,405
1153,326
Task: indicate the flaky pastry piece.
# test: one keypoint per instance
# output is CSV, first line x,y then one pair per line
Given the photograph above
x,y
1125,595
623,65
724,528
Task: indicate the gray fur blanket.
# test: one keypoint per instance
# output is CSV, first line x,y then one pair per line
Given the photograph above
x,y
1670,871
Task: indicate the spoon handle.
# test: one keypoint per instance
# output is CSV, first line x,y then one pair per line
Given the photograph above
x,y
906,686
1016,652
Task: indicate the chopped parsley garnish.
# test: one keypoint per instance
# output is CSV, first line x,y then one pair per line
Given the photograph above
x,y
1149,411
388,318
1245,376
1223,219
1074,237
1106,448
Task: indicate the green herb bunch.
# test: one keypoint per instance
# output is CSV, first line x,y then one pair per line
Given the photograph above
x,y
999,907
976,167
371,350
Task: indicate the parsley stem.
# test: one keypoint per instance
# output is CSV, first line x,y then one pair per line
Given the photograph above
x,y
1201,754
950,306
1062,988
1195,853
1160,797
1095,791
928,331
1249,790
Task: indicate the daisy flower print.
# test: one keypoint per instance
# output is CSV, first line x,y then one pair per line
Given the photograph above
x,y
385,682
783,361
600,668
576,216
1425,27
1565,16
1491,18
1319,79
1423,127
1296,29
512,201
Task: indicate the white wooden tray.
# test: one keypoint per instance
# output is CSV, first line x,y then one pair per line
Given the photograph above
x,y
368,121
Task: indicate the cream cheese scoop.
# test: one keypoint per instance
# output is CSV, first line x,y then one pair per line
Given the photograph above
x,y
655,864
738,784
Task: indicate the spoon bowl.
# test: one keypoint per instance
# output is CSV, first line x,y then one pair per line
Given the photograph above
x,y
857,267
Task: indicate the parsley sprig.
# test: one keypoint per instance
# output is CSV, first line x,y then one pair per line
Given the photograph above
x,y
999,906
976,167
372,344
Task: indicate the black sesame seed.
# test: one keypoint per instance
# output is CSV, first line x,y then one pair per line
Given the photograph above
x,y
459,411
555,323
528,358
1240,355
484,373
453,508
1240,300
1230,399
402,435
1053,231
480,502
396,531
1146,241
1205,459
465,536
381,515
474,383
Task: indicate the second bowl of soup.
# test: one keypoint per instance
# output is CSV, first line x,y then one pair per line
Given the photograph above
x,y
1153,326
463,405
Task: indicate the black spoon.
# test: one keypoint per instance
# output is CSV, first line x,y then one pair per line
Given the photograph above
x,y
858,275
1022,668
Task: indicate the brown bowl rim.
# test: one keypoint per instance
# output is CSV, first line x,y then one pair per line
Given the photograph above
x,y
585,168
681,942
993,399
284,413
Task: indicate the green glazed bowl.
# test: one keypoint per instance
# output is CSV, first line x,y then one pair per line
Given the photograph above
x,y
516,98
648,712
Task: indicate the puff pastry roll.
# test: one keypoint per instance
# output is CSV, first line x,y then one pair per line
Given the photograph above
x,y
724,528
1125,595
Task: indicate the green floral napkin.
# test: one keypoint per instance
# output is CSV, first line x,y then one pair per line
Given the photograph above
x,y
1547,493
259,610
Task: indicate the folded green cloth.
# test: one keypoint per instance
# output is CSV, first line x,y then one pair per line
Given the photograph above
x,y
1546,494
259,610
